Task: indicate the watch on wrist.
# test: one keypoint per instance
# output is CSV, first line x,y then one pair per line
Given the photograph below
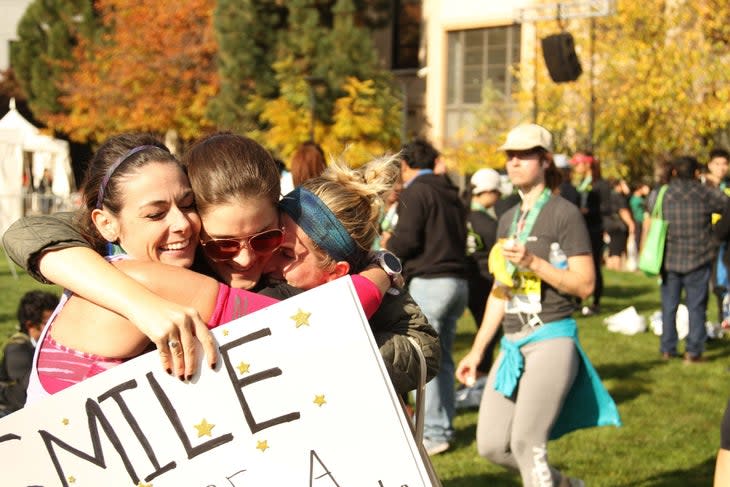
x,y
390,263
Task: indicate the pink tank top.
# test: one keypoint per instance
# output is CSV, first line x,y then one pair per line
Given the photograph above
x,y
56,367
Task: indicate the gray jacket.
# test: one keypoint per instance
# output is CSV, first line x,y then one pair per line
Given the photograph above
x,y
28,238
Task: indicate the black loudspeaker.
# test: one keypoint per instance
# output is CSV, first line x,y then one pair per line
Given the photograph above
x,y
560,58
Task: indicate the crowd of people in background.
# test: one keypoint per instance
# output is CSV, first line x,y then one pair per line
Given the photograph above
x,y
522,252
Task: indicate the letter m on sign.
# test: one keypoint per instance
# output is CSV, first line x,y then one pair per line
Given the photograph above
x,y
95,415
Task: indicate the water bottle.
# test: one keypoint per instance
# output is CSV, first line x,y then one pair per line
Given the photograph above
x,y
557,256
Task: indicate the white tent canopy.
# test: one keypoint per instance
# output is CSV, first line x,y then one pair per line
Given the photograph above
x,y
19,137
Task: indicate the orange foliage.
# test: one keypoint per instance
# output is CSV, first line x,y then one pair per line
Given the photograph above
x,y
152,69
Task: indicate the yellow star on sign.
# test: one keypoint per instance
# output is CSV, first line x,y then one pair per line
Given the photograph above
x,y
204,428
243,367
65,421
301,318
319,400
225,332
72,479
142,484
262,445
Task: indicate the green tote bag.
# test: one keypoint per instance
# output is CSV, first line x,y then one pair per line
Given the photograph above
x,y
652,254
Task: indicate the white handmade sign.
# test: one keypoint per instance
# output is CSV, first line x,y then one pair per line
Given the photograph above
x,y
300,397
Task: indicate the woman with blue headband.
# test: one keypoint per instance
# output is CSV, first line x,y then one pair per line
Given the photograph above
x,y
331,222
138,204
228,174
236,187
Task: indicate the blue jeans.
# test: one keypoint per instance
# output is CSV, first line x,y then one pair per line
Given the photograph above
x,y
695,286
443,301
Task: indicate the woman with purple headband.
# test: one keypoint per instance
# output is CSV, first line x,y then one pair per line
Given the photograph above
x,y
136,195
330,224
236,191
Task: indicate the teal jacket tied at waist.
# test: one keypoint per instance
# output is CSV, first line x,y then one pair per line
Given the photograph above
x,y
588,402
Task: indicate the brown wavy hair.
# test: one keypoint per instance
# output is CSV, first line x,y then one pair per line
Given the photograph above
x,y
113,198
228,168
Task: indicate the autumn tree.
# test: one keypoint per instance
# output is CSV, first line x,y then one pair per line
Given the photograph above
x,y
152,69
274,56
10,86
660,81
366,121
253,35
246,32
661,84
47,34
356,104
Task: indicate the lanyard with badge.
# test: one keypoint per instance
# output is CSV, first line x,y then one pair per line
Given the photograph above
x,y
525,292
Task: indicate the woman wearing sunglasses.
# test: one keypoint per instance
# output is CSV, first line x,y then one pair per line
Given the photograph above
x,y
236,185
330,223
236,188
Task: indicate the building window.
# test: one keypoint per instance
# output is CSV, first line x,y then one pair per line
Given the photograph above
x,y
475,56
406,33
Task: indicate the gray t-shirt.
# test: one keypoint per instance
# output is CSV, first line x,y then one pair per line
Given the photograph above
x,y
559,221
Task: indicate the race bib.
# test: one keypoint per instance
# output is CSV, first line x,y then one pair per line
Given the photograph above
x,y
525,294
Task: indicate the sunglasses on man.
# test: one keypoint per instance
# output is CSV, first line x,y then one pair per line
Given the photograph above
x,y
262,243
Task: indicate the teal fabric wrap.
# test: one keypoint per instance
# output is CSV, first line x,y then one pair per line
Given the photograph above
x,y
322,226
587,404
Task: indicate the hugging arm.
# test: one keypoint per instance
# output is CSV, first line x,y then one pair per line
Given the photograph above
x,y
28,238
53,250
97,330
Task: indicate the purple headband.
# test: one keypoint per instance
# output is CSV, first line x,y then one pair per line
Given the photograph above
x,y
113,167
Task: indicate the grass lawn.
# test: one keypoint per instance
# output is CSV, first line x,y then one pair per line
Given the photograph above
x,y
671,411
11,290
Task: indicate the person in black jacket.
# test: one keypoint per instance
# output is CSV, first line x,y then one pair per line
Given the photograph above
x,y
33,311
430,239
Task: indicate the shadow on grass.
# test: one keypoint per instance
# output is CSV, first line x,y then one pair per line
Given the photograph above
x,y
618,297
464,436
699,475
645,305
716,350
501,479
627,387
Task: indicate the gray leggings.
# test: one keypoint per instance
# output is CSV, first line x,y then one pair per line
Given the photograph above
x,y
513,432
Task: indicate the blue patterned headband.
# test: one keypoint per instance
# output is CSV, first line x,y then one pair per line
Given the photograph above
x,y
113,167
322,226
